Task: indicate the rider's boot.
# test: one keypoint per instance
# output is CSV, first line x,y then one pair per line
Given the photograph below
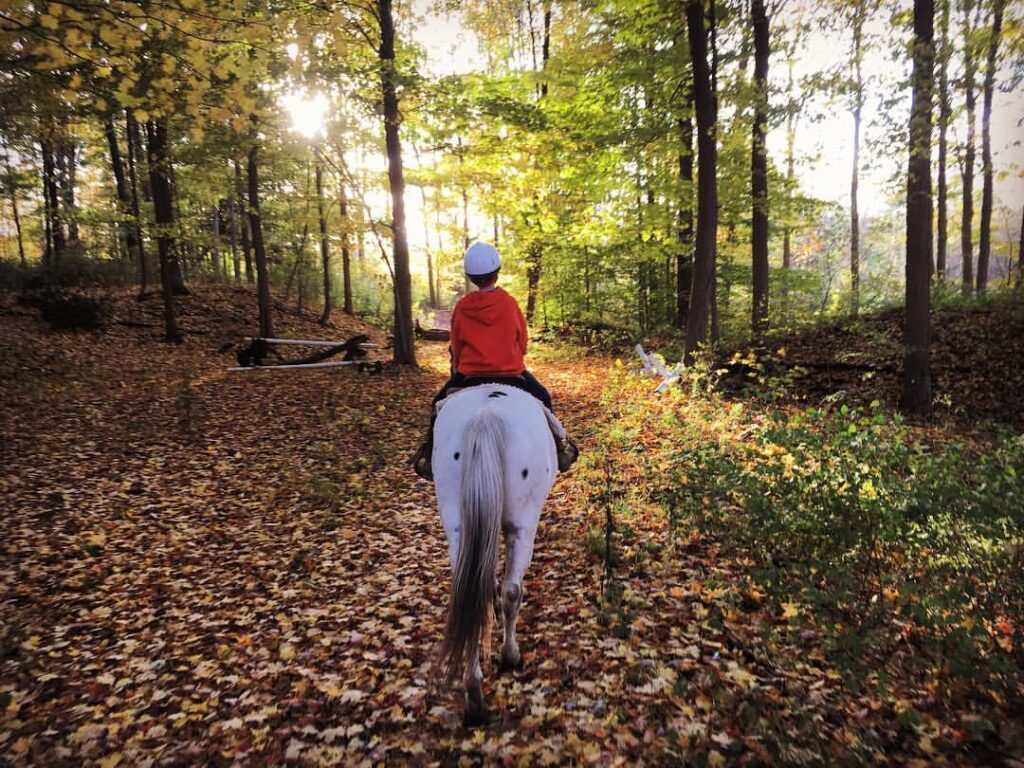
x,y
567,452
422,459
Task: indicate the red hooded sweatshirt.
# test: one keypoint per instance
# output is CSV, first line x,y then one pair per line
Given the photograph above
x,y
488,334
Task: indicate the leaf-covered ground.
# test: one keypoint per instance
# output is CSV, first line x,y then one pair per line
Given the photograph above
x,y
210,568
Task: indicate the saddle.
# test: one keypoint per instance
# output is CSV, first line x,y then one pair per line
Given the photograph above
x,y
514,380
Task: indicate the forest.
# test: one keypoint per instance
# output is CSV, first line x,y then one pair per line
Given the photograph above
x,y
771,258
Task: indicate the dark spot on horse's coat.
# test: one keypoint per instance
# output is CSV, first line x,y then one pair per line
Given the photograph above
x,y
456,455
525,473
496,393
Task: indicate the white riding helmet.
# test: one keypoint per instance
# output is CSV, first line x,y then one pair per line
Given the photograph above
x,y
481,259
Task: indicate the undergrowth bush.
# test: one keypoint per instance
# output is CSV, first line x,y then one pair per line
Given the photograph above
x,y
871,524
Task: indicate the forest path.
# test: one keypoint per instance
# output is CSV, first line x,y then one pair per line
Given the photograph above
x,y
204,567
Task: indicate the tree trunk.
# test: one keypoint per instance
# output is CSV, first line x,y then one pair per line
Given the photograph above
x,y
759,170
67,167
787,252
466,284
346,255
942,222
12,192
535,252
858,105
707,185
134,142
991,62
684,260
259,252
325,252
235,260
967,217
218,266
124,228
159,181
404,351
243,214
1020,252
917,388
56,224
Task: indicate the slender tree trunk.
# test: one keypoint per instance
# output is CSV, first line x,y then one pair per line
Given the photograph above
x,y
256,229
325,252
707,185
126,234
243,214
426,240
858,105
134,142
404,351
759,170
159,162
967,217
684,261
48,255
218,265
1020,253
991,62
346,254
917,388
787,248
942,222
235,260
67,167
56,224
12,192
535,252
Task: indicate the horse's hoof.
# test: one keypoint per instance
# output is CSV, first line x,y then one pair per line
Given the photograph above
x,y
477,719
510,665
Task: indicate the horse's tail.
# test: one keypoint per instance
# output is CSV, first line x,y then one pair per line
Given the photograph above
x,y
482,501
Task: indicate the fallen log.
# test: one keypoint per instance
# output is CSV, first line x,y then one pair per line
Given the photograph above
x,y
431,334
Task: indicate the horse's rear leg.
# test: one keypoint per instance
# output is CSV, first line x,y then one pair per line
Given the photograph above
x,y
476,711
518,553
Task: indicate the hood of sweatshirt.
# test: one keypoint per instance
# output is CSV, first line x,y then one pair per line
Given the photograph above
x,y
486,307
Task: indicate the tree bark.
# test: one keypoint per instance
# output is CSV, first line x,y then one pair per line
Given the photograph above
x,y
159,182
218,265
67,168
707,185
346,255
53,206
858,105
243,214
787,252
325,251
256,229
917,389
759,170
967,216
991,62
945,112
235,260
12,193
125,234
404,351
133,142
684,259
1020,252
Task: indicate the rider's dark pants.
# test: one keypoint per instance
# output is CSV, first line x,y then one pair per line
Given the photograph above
x,y
527,382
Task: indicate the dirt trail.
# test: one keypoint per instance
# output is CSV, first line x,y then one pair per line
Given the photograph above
x,y
204,567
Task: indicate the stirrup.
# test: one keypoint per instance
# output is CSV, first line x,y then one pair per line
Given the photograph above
x,y
568,452
421,461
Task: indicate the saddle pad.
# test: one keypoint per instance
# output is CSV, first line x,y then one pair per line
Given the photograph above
x,y
553,423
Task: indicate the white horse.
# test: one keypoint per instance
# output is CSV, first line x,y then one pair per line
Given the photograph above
x,y
494,463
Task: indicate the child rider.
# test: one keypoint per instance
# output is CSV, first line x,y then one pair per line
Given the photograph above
x,y
488,343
